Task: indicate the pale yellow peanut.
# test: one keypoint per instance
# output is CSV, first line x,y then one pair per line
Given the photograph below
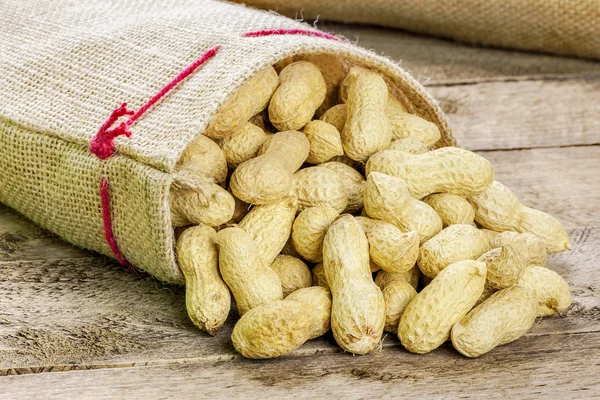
x,y
354,183
201,202
251,281
454,243
451,208
336,116
406,125
387,198
318,276
317,186
244,144
502,318
333,71
325,142
391,249
270,226
204,157
429,317
301,91
358,308
309,230
367,129
411,276
250,99
549,289
409,144
396,294
207,297
293,273
489,236
445,170
498,209
268,177
280,327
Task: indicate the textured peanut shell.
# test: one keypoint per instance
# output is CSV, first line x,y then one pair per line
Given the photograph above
x,y
208,204
504,317
550,290
489,237
240,210
336,116
452,244
268,177
207,297
251,281
333,71
204,157
243,144
391,249
270,226
293,273
309,230
325,142
250,99
358,308
406,125
396,294
387,199
354,183
409,144
301,91
451,208
318,276
317,186
445,170
429,317
367,129
280,327
411,276
498,209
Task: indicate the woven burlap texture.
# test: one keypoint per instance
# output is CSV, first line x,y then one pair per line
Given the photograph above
x,y
566,27
66,65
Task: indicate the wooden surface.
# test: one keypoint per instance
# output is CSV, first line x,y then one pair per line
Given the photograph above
x,y
76,325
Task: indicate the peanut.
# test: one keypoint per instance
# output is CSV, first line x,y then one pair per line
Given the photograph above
x,y
250,99
206,158
207,298
240,210
336,116
325,142
309,230
396,294
504,317
301,91
280,327
332,69
292,272
454,243
244,144
411,276
358,308
316,186
318,276
451,208
409,144
550,290
354,183
429,317
268,177
445,170
387,198
498,209
251,281
406,125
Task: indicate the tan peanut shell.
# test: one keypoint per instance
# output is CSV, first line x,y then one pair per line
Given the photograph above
x,y
300,92
452,244
367,129
207,297
206,203
549,289
411,276
333,71
358,308
250,99
293,273
396,294
354,183
445,170
391,249
498,209
406,125
409,144
504,317
309,229
251,281
489,236
268,177
318,276
280,327
387,198
317,186
243,144
451,208
205,157
325,142
336,116
429,317
270,226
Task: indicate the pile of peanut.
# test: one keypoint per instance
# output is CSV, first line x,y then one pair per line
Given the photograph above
x,y
400,238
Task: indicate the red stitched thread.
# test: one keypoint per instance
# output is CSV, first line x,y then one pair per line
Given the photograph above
x,y
303,32
108,232
102,144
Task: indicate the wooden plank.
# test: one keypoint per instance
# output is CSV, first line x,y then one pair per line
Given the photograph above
x,y
555,367
437,61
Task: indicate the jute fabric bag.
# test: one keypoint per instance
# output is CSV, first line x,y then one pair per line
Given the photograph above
x,y
566,27
98,173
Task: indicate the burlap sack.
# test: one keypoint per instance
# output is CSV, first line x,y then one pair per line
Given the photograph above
x,y
65,66
567,27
